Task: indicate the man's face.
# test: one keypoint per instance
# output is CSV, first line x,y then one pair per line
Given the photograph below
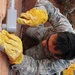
x,y
51,47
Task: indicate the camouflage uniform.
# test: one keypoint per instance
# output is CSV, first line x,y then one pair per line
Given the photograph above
x,y
35,61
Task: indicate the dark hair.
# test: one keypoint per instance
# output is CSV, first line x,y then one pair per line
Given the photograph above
x,y
65,42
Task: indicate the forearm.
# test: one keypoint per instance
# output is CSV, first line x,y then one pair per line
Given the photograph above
x,y
59,21
37,32
27,67
43,67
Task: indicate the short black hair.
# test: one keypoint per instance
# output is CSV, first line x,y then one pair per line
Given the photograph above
x,y
65,42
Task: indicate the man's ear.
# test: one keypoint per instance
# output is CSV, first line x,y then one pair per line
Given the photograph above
x,y
44,43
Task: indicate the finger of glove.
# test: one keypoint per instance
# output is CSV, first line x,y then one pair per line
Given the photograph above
x,y
24,21
1,39
12,52
12,42
10,36
27,16
32,12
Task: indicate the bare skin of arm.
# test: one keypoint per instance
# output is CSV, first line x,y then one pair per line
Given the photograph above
x,y
3,8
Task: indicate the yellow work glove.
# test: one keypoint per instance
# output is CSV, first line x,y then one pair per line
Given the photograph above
x,y
12,47
34,17
70,70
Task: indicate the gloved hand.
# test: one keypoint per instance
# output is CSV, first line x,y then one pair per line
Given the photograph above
x,y
12,47
70,70
34,17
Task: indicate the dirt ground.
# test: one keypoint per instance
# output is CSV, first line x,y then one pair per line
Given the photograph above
x,y
67,7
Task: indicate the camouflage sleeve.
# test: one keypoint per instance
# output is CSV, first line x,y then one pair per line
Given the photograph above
x,y
36,32
29,66
59,21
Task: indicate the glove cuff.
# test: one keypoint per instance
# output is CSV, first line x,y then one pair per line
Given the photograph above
x,y
17,60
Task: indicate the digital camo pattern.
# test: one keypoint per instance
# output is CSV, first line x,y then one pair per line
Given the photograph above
x,y
35,61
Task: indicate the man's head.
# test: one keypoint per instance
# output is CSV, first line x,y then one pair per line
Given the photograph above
x,y
61,45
